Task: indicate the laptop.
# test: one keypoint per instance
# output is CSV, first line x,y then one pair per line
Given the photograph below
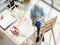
x,y
7,21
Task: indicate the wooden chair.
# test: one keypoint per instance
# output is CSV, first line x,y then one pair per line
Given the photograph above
x,y
47,26
19,4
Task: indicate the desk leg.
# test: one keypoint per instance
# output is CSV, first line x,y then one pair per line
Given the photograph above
x,y
53,37
24,43
1,34
33,40
27,41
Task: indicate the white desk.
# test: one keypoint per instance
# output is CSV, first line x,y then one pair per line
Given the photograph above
x,y
24,28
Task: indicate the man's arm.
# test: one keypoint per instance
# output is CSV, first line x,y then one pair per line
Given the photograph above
x,y
43,17
32,18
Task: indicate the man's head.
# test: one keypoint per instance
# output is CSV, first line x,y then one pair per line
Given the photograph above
x,y
36,7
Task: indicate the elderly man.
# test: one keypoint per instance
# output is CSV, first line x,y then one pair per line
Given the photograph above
x,y
37,16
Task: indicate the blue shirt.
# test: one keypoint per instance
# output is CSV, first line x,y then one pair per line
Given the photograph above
x,y
40,13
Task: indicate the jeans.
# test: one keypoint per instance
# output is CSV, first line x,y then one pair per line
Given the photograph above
x,y
38,24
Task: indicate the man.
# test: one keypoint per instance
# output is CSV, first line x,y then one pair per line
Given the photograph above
x,y
37,16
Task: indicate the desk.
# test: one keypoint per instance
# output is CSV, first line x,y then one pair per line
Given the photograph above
x,y
47,26
23,27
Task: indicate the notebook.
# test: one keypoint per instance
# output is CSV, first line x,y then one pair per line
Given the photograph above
x,y
7,21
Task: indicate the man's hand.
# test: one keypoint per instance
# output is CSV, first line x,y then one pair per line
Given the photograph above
x,y
37,16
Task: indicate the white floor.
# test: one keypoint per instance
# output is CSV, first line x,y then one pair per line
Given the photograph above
x,y
50,13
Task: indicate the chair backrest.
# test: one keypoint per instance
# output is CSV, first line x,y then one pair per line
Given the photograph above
x,y
48,25
19,4
12,8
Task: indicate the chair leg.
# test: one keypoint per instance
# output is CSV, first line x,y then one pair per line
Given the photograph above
x,y
40,38
53,37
